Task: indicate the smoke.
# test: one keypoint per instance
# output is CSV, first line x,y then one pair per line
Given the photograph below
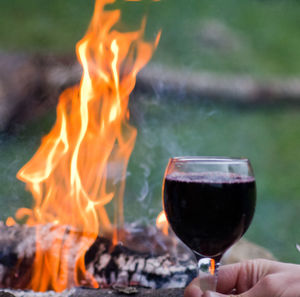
x,y
15,150
166,127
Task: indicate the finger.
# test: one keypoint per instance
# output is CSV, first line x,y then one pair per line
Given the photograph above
x,y
193,289
229,277
227,280
241,276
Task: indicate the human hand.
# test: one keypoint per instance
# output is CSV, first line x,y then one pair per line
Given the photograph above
x,y
253,278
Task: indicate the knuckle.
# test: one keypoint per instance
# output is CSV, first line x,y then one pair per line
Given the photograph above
x,y
268,282
255,270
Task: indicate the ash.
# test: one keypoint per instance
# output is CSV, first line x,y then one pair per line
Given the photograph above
x,y
20,293
145,258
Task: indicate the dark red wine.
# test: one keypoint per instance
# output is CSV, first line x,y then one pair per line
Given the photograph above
x,y
209,211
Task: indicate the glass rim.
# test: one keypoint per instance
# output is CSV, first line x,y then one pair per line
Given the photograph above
x,y
209,159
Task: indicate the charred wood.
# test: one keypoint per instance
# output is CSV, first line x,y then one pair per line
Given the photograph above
x,y
108,264
146,257
125,266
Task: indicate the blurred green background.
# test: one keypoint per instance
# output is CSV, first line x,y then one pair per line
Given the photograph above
x,y
258,37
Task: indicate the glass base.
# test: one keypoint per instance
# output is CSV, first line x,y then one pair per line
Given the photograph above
x,y
208,273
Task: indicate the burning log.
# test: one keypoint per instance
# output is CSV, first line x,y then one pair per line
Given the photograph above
x,y
146,258
125,266
107,263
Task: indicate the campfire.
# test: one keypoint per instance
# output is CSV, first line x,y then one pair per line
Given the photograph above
x,y
77,176
75,233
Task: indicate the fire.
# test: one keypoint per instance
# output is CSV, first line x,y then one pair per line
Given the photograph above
x,y
162,223
212,266
81,164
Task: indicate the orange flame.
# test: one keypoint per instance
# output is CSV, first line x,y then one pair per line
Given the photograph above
x,y
81,164
162,223
212,266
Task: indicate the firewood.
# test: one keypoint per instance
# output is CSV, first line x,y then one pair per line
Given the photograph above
x,y
165,264
107,263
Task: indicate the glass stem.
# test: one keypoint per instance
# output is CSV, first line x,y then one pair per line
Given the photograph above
x,y
208,272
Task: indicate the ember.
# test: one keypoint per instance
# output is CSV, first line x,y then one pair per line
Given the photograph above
x,y
80,167
155,265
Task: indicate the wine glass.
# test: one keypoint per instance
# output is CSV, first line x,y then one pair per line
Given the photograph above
x,y
209,202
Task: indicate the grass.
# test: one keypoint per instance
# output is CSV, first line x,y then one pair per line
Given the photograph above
x,y
256,37
264,40
266,33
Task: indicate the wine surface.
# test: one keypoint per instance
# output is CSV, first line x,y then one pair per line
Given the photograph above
x,y
209,211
